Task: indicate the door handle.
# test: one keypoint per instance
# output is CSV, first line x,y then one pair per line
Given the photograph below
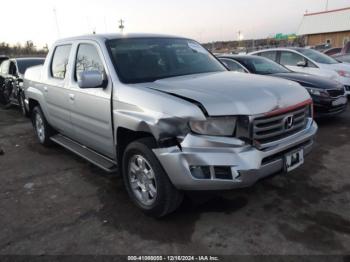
x,y
71,97
45,89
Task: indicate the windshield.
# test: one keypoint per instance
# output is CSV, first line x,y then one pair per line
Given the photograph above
x,y
317,56
140,60
23,65
262,66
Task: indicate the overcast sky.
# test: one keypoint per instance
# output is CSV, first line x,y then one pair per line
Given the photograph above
x,y
203,20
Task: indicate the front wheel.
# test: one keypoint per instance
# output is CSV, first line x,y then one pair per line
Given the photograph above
x,y
42,128
146,181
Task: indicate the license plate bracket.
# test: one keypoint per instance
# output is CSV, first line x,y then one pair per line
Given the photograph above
x,y
294,159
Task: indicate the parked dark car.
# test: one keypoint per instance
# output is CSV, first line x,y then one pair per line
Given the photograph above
x,y
12,72
328,95
333,51
2,59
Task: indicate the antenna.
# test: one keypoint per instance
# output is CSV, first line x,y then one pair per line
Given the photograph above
x,y
121,25
56,21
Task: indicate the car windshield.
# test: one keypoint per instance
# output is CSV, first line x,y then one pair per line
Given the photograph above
x,y
23,65
139,60
262,66
317,56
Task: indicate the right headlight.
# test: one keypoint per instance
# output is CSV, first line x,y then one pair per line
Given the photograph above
x,y
215,126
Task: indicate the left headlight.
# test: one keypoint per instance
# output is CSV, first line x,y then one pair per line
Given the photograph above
x,y
216,126
317,92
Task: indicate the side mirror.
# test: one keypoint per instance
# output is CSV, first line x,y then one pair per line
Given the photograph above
x,y
302,63
91,79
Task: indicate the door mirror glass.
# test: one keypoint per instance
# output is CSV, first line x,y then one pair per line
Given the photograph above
x,y
91,79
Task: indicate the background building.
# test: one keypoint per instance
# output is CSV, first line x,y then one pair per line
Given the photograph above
x,y
329,27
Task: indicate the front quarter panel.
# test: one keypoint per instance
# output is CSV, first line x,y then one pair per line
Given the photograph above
x,y
146,110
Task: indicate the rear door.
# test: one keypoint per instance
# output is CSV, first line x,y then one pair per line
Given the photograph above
x,y
91,107
56,90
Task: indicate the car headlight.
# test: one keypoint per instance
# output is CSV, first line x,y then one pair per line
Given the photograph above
x,y
216,126
316,91
343,73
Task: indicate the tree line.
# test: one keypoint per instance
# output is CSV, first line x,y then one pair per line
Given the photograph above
x,y
19,50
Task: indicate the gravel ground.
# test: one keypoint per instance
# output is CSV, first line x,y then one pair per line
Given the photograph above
x,y
53,202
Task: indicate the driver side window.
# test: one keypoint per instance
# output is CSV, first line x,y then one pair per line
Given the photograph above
x,y
291,59
87,59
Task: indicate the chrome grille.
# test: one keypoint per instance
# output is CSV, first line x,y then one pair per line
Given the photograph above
x,y
268,129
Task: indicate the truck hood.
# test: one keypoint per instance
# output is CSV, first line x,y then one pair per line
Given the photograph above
x,y
232,93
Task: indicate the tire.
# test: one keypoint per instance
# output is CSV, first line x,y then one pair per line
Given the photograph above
x,y
42,128
2,99
22,105
5,96
153,185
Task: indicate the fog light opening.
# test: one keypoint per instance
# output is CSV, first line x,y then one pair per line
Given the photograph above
x,y
200,172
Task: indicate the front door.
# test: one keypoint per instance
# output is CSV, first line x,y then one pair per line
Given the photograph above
x,y
91,107
291,60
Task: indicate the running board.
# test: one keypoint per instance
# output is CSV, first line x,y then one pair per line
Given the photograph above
x,y
93,157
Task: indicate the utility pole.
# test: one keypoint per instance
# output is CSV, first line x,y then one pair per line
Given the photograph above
x,y
121,25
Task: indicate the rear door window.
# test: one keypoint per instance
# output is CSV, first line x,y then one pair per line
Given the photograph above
x,y
60,61
272,55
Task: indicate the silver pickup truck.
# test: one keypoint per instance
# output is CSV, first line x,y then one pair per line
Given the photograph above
x,y
168,115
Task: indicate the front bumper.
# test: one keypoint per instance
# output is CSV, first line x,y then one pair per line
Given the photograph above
x,y
247,163
323,106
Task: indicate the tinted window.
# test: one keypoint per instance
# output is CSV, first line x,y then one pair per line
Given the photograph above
x,y
88,59
290,59
272,55
140,60
317,56
262,66
12,69
232,65
60,61
23,65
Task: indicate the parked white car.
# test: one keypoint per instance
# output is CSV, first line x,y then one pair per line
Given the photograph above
x,y
309,61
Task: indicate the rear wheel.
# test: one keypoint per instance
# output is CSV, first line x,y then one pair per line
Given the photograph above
x,y
42,128
146,181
